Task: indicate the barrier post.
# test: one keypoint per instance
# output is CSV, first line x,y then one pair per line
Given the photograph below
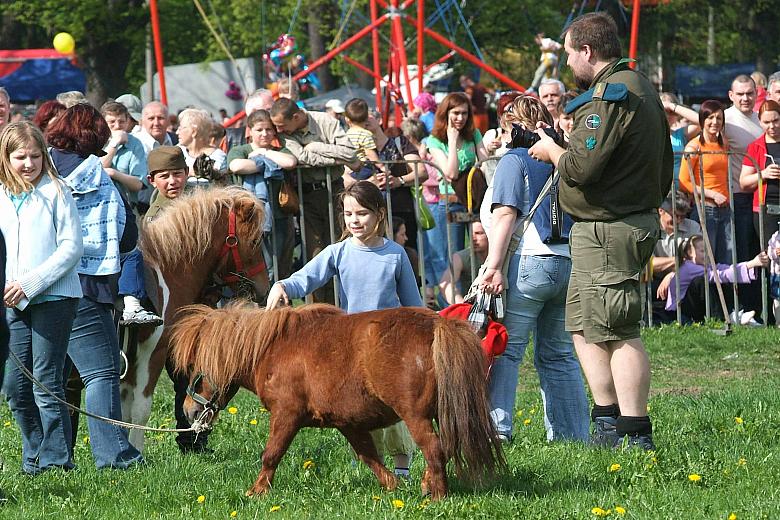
x,y
733,238
676,256
702,209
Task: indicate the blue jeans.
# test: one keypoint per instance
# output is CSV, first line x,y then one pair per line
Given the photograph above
x,y
131,279
745,234
536,303
438,237
94,350
718,223
39,338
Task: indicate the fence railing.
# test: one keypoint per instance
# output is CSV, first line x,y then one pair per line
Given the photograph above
x,y
417,167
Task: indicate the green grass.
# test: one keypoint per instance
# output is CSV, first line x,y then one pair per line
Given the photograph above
x,y
701,384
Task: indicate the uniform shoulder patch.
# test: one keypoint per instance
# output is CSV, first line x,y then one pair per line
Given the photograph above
x,y
590,143
610,91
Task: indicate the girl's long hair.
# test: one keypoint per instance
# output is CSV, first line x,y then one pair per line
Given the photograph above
x,y
370,197
441,119
708,108
686,248
13,137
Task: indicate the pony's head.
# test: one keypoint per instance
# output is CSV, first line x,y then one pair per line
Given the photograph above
x,y
220,349
216,231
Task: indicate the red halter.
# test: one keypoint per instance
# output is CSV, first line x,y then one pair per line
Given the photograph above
x,y
231,246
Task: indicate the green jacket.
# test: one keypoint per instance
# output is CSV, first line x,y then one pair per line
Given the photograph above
x,y
620,158
157,204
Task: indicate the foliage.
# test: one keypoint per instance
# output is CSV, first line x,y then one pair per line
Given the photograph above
x,y
716,409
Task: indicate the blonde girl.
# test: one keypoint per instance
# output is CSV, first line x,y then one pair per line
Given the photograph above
x,y
40,223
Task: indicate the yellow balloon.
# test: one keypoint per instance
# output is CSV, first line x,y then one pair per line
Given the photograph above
x,y
64,43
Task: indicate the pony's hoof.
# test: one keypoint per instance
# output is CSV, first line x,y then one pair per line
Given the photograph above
x,y
255,490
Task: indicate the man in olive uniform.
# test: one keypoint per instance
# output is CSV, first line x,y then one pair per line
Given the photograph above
x,y
615,174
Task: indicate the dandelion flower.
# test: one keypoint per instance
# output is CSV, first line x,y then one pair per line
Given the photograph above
x,y
648,407
620,510
376,498
532,411
694,477
232,410
274,509
233,514
86,439
309,464
598,511
424,503
527,422
614,467
263,410
519,413
7,424
253,422
741,462
738,420
201,499
398,504
733,516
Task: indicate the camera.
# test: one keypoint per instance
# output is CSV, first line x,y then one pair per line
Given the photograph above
x,y
522,138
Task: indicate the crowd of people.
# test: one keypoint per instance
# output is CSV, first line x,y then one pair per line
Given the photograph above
x,y
78,184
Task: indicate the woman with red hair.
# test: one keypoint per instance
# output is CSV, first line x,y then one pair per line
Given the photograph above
x,y
47,113
77,139
763,159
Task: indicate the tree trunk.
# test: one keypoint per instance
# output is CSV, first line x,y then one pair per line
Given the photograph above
x,y
320,24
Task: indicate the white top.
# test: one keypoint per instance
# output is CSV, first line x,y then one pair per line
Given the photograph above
x,y
740,132
149,142
219,157
43,241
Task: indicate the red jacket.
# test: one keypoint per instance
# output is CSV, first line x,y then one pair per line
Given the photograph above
x,y
757,151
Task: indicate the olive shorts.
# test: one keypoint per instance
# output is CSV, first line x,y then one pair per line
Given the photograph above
x,y
603,300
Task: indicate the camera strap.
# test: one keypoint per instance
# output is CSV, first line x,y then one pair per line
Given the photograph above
x,y
556,216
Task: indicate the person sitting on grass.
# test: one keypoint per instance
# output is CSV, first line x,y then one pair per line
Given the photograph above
x,y
461,266
692,289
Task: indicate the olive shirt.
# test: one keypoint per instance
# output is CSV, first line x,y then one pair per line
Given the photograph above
x,y
321,143
620,160
158,204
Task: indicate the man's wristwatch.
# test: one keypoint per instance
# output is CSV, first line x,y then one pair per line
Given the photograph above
x,y
402,181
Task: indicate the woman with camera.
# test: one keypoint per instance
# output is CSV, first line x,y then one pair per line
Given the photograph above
x,y
537,281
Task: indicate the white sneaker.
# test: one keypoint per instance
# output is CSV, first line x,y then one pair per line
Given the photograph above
x,y
140,317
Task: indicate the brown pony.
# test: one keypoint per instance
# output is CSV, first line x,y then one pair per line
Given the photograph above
x,y
368,371
188,248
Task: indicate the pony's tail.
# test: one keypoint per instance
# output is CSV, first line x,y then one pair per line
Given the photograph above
x,y
467,433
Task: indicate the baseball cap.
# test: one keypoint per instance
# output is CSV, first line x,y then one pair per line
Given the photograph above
x,y
336,105
133,105
165,158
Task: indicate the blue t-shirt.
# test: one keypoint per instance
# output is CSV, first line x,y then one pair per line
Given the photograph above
x,y
370,278
511,188
678,145
130,158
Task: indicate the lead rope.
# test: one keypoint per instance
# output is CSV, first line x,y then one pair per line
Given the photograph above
x,y
200,425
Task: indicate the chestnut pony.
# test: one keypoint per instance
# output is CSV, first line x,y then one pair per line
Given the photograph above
x,y
316,366
207,238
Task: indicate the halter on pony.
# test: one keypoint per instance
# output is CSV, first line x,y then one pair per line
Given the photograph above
x,y
230,250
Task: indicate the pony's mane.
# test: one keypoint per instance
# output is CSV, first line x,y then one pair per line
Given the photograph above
x,y
183,232
227,343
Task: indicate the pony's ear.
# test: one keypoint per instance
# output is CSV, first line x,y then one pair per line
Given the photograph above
x,y
248,210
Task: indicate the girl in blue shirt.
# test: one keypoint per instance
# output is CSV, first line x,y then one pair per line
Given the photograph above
x,y
374,273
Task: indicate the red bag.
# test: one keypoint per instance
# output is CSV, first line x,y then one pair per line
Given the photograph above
x,y
495,340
